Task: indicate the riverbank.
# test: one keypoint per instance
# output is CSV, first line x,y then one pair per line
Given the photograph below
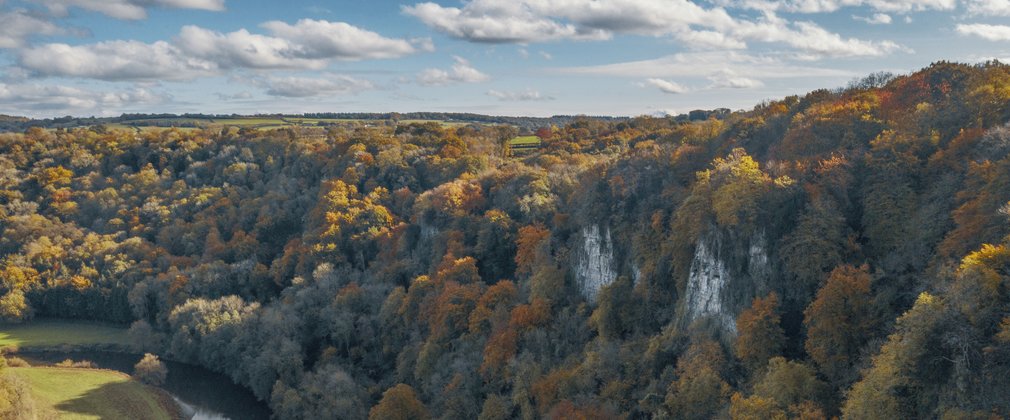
x,y
85,393
198,391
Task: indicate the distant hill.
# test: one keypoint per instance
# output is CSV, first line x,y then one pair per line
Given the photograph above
x,y
19,124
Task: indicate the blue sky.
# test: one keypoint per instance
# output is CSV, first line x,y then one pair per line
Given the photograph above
x,y
503,57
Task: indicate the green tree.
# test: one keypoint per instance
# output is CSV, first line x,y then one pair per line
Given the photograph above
x,y
817,244
882,392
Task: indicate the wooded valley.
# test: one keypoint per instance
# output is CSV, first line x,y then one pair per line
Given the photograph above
x,y
841,253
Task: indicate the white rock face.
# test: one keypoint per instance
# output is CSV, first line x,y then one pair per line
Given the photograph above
x,y
709,277
757,261
595,266
428,232
706,281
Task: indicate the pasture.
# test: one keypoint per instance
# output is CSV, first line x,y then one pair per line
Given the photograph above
x,y
265,123
46,333
96,394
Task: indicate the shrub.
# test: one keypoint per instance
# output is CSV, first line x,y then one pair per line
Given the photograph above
x,y
83,364
150,370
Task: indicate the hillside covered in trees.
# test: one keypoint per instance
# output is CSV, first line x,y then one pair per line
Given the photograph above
x,y
843,253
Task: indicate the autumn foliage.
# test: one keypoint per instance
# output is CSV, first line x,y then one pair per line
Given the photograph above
x,y
838,253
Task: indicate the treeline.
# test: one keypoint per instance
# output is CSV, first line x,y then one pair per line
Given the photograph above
x,y
20,124
844,253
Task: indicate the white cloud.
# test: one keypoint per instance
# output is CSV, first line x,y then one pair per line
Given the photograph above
x,y
546,55
876,19
496,22
16,26
198,52
665,86
706,64
128,9
728,79
811,39
525,95
989,7
526,21
827,6
985,31
710,39
461,72
339,40
304,87
242,49
115,60
63,100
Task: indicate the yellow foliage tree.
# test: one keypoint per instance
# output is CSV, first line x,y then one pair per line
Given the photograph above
x,y
399,403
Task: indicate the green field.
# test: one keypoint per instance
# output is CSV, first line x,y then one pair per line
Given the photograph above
x,y
525,140
53,333
265,123
96,394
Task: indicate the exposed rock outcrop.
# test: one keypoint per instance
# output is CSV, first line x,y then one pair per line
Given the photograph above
x,y
595,266
725,274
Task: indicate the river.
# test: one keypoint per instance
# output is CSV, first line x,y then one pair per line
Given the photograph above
x,y
202,394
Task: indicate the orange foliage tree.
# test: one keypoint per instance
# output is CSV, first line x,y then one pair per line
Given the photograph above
x,y
759,335
839,321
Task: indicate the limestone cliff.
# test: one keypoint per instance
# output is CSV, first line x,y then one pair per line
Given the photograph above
x,y
595,267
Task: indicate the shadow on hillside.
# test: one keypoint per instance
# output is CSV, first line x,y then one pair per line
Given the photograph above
x,y
117,400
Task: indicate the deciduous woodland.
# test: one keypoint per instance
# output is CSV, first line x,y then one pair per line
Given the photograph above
x,y
842,253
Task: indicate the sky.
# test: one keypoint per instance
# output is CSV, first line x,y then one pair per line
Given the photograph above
x,y
498,57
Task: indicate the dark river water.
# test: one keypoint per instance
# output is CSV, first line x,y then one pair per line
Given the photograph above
x,y
202,394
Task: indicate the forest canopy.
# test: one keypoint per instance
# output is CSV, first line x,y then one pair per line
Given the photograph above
x,y
842,253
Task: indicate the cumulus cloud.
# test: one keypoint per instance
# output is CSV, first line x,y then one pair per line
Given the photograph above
x,y
827,6
985,31
115,60
497,22
17,26
128,9
989,7
197,52
526,21
665,86
728,79
339,40
305,87
63,100
525,95
242,49
876,19
460,72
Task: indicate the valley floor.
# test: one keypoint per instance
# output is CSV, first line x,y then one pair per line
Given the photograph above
x,y
53,333
76,393
80,393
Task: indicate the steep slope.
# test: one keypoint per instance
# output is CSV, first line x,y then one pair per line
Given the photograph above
x,y
750,265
